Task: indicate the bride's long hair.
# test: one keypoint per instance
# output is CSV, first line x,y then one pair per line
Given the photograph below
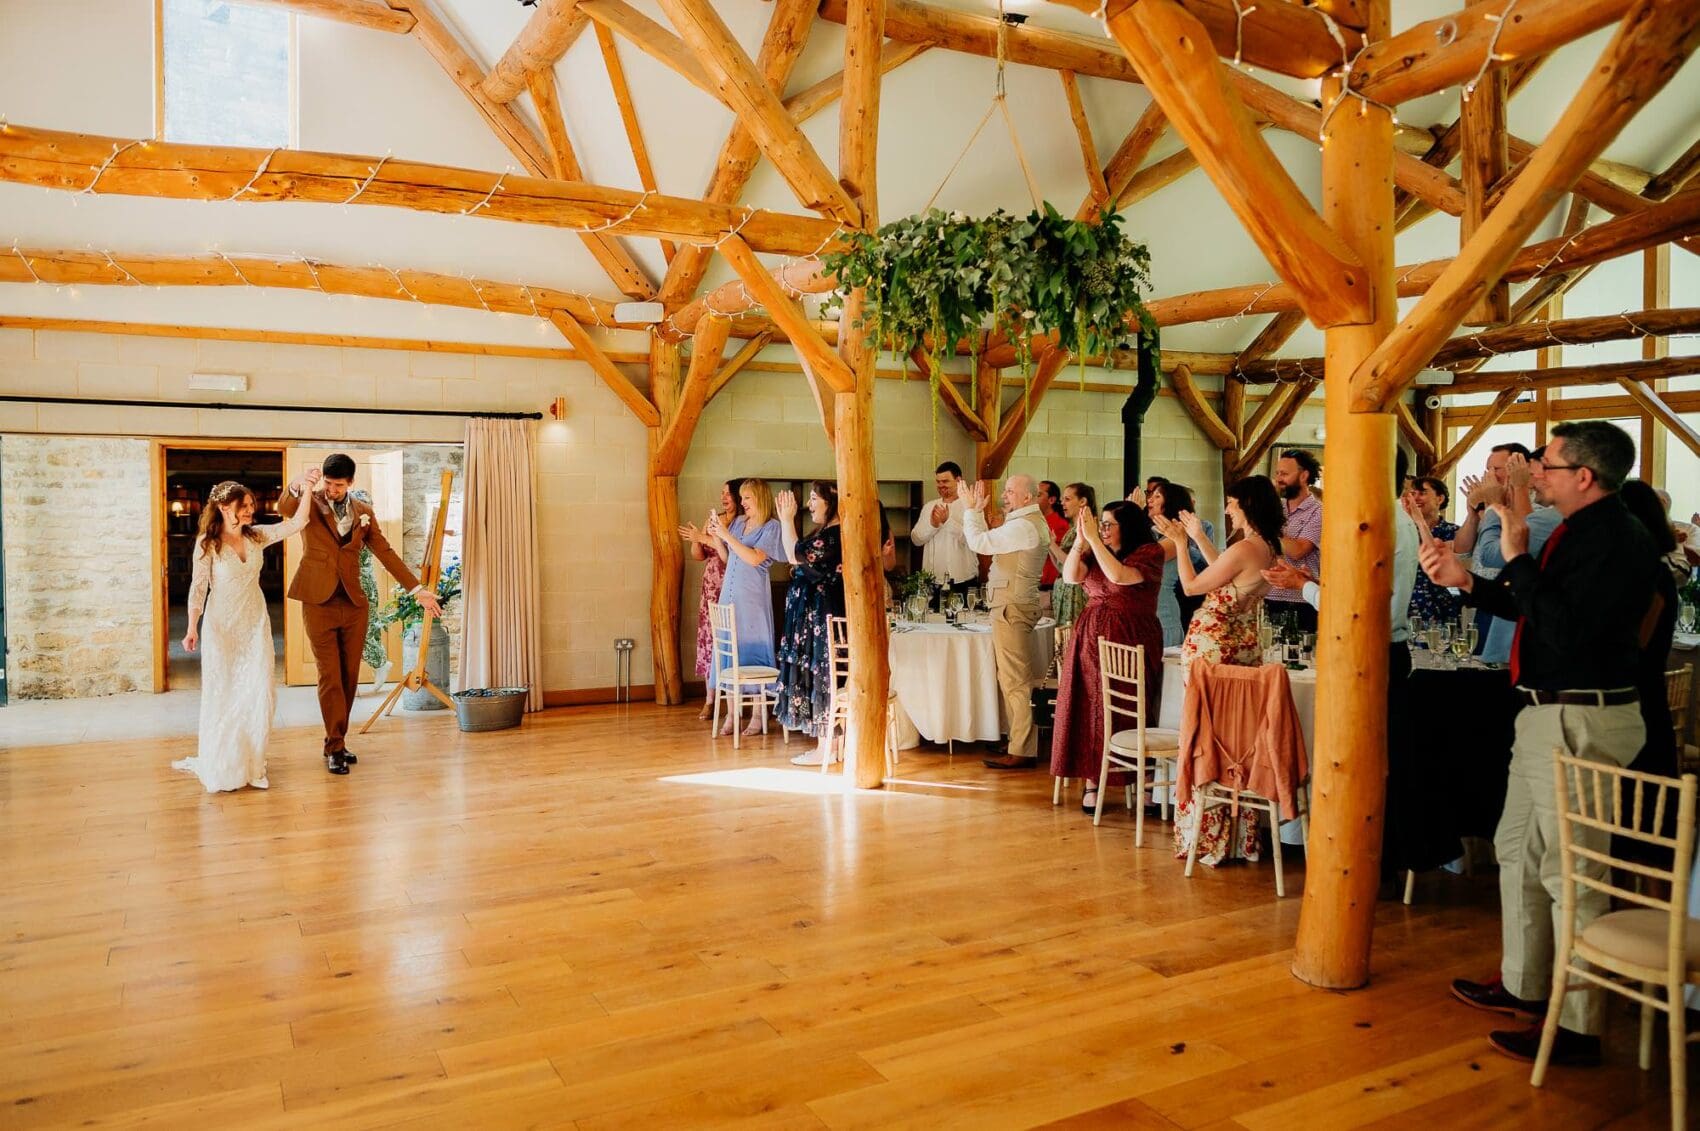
x,y
228,493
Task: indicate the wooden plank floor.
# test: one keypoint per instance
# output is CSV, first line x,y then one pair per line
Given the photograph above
x,y
540,928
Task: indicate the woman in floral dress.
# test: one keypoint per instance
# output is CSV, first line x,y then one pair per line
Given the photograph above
x,y
1428,600
711,551
1224,630
1119,565
816,593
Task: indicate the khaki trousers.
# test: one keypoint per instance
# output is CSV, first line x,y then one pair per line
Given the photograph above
x,y
1012,644
1531,884
336,631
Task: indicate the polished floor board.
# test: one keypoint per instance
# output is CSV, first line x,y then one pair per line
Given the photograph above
x,y
606,919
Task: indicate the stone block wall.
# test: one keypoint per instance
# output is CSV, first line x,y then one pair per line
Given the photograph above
x,y
78,521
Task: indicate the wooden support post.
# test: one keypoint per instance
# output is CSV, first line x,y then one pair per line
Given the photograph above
x,y
1481,122
853,414
1349,774
1126,160
667,556
1014,423
1414,435
1096,188
1274,414
1655,294
988,405
681,423
739,360
1648,49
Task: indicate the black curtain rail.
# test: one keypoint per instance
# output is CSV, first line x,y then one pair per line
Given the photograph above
x,y
111,402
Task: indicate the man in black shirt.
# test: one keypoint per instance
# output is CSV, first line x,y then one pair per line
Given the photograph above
x,y
1574,662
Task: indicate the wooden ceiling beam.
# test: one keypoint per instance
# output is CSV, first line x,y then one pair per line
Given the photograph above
x,y
1595,374
628,117
1566,254
553,28
742,87
1453,49
372,14
1273,415
1649,48
1124,163
599,361
1097,188
786,313
1277,35
1675,175
1654,406
1192,400
783,42
652,39
747,354
89,268
1162,39
1609,187
1482,142
1488,419
443,46
143,167
1420,441
1013,425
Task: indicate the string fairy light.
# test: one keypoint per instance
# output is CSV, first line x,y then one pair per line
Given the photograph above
x,y
371,176
26,262
494,189
1491,55
100,171
258,173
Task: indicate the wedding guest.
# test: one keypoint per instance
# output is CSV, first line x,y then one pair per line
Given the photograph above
x,y
1575,663
1050,505
1296,473
1067,600
816,593
1483,490
1224,630
1119,564
751,542
1686,555
1017,549
1171,500
1429,600
1541,521
711,551
938,531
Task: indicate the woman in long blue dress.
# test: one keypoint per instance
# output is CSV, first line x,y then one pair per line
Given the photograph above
x,y
816,593
752,543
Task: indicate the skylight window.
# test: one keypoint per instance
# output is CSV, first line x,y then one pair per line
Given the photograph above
x,y
228,73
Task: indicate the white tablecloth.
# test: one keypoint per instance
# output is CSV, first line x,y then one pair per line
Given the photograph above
x,y
1303,685
946,680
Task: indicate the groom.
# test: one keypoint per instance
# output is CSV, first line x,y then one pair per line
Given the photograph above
x,y
327,583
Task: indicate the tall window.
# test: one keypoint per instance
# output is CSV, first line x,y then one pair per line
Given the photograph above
x,y
228,74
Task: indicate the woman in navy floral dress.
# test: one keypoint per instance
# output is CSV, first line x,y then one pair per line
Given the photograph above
x,y
1428,600
816,593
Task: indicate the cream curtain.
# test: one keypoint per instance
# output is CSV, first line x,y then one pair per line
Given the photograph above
x,y
500,641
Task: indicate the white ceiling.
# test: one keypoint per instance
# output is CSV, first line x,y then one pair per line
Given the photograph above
x,y
371,92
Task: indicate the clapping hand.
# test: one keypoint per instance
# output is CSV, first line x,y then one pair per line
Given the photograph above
x,y
1513,534
1087,527
1170,529
1193,525
690,533
1283,574
785,505
940,514
1481,492
1416,512
1137,497
978,496
1517,471
1441,565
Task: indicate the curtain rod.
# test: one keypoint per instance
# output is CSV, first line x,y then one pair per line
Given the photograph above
x,y
117,403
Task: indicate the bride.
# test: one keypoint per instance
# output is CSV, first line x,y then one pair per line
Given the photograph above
x,y
237,692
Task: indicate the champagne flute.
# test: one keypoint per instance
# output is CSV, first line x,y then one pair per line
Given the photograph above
x,y
1460,649
1473,635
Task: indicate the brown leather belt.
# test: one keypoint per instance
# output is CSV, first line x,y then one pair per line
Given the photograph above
x,y
1616,698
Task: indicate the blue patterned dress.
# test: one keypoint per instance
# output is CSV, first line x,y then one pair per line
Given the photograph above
x,y
805,664
1431,601
746,590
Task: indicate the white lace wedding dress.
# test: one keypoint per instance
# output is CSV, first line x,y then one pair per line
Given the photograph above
x,y
238,692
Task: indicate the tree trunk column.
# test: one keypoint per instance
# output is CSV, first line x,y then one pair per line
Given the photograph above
x,y
1349,774
666,555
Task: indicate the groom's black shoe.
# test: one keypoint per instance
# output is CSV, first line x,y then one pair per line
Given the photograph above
x,y
336,764
348,756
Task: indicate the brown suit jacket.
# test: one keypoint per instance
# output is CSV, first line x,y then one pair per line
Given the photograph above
x,y
327,559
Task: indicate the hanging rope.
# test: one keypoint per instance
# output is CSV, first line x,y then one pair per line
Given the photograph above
x,y
1000,103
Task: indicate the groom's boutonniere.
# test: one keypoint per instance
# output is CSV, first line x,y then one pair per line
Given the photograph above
x,y
365,520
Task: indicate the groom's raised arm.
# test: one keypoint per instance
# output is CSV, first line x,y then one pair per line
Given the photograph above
x,y
289,502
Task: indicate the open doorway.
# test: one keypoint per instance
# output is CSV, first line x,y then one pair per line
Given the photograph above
x,y
189,475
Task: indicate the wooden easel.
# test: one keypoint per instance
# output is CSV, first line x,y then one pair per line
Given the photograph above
x,y
429,570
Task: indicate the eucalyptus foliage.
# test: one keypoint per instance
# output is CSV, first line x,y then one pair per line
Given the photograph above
x,y
936,279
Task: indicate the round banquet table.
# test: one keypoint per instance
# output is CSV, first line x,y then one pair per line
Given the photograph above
x,y
946,680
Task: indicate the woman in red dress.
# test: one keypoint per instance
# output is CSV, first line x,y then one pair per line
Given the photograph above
x,y
1120,562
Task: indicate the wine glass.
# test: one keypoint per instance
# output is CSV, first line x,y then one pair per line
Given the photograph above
x,y
1685,616
953,607
1473,635
1460,649
1446,634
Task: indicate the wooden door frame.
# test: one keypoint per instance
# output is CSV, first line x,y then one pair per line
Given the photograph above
x,y
162,447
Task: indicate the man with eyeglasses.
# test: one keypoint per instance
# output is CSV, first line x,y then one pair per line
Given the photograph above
x,y
1574,662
